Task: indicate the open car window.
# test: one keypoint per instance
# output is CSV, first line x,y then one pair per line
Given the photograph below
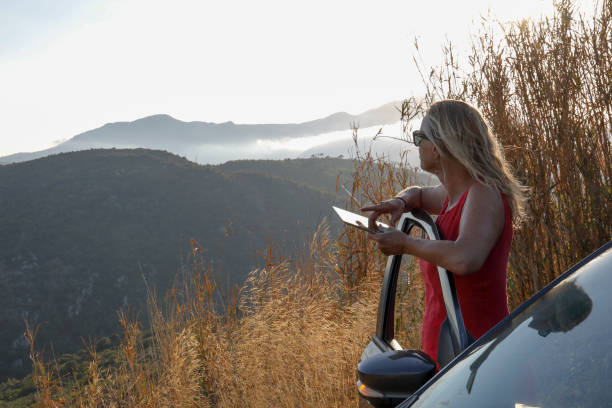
x,y
409,302
556,352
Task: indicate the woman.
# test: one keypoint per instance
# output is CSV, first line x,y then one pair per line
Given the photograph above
x,y
477,201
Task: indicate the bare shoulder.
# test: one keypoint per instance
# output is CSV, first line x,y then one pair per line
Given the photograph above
x,y
485,195
481,225
484,209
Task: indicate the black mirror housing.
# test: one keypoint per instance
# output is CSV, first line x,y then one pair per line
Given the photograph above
x,y
388,378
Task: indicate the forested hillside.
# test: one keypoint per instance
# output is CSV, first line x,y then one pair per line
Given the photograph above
x,y
83,231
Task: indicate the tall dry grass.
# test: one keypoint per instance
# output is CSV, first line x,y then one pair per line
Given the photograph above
x,y
546,89
298,337
290,337
293,334
165,374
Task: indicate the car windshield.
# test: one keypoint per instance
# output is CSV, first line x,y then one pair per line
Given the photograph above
x,y
556,352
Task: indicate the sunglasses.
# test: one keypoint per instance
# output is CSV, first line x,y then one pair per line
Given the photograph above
x,y
418,136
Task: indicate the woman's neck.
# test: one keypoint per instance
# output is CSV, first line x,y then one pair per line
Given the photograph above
x,y
455,179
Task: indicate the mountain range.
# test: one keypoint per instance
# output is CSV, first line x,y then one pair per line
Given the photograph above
x,y
214,143
89,221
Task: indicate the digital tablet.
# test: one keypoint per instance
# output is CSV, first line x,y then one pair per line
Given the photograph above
x,y
356,220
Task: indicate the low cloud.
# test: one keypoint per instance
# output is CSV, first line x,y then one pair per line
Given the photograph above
x,y
333,144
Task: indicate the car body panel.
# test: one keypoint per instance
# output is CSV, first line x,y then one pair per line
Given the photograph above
x,y
552,349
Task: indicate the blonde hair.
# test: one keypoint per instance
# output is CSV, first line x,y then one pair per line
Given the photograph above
x,y
459,130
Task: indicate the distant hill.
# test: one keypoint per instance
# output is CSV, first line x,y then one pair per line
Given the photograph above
x,y
320,173
206,142
82,231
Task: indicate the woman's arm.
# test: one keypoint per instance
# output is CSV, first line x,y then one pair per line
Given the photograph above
x,y
428,198
482,222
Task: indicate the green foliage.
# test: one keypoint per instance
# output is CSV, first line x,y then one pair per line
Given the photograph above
x,y
17,393
72,369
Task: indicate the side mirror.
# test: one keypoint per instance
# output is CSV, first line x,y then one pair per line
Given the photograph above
x,y
388,378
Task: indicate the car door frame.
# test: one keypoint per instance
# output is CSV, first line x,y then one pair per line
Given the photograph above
x,y
383,338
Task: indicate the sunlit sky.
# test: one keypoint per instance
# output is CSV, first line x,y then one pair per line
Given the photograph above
x,y
67,66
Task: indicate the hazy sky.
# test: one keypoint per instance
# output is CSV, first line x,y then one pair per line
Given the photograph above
x,y
67,66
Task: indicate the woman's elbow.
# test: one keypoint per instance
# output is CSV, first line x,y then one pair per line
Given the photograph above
x,y
467,266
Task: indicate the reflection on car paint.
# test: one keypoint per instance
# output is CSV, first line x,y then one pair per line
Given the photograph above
x,y
556,351
558,311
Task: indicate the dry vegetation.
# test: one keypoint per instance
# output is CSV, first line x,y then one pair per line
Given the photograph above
x,y
291,337
546,89
293,334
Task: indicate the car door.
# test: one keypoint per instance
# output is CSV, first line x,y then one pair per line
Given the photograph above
x,y
454,336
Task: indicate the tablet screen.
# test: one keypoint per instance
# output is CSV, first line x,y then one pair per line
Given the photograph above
x,y
356,220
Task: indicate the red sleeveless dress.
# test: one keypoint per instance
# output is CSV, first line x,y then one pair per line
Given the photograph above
x,y
482,294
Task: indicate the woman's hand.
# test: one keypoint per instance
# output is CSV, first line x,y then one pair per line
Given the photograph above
x,y
391,241
395,207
